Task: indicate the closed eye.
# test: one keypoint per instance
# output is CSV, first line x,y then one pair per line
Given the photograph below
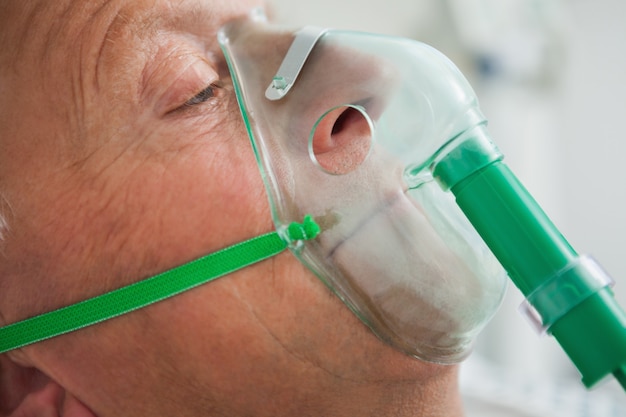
x,y
203,96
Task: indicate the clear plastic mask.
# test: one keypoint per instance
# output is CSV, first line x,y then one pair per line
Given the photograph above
x,y
349,139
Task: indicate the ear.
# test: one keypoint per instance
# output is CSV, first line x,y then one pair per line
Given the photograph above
x,y
26,391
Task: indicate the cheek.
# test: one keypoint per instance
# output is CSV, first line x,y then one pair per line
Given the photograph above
x,y
160,204
208,197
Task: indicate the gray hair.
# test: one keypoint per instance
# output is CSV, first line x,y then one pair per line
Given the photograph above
x,y
5,212
4,227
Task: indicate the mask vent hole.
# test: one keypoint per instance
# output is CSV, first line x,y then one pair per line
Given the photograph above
x,y
341,139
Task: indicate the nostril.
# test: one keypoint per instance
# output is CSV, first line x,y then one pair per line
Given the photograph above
x,y
350,114
341,139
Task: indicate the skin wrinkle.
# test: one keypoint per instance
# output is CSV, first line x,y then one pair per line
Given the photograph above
x,y
112,232
107,15
77,167
24,35
148,73
115,228
302,358
56,32
276,339
110,27
82,77
114,235
120,29
171,372
80,97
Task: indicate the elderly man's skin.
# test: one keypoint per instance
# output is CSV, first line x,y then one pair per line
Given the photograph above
x,y
107,177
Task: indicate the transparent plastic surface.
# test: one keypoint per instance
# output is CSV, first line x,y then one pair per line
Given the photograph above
x,y
564,291
352,144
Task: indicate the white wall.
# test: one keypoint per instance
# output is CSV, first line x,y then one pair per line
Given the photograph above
x,y
557,111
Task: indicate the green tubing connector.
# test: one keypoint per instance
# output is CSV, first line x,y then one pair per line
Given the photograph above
x,y
568,293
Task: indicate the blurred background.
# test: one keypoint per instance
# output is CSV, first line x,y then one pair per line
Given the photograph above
x,y
551,78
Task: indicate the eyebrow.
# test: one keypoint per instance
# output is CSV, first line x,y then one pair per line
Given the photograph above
x,y
190,16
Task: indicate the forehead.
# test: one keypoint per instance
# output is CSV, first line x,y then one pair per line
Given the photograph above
x,y
37,27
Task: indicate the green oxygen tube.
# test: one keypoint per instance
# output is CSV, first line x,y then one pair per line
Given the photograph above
x,y
567,295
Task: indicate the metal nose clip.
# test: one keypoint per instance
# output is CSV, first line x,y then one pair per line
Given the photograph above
x,y
294,60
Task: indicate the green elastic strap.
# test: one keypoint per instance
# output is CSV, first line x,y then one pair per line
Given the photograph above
x,y
154,289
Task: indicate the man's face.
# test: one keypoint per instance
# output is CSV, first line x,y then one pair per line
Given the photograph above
x,y
123,154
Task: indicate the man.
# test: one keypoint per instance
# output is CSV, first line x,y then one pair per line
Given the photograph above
x,y
123,154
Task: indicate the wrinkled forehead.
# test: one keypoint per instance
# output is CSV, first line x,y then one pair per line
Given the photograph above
x,y
35,30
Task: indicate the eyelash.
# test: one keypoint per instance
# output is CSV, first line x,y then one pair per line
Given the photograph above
x,y
203,96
